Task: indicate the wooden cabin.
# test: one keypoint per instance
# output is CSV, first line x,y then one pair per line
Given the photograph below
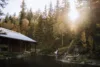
x,y
12,41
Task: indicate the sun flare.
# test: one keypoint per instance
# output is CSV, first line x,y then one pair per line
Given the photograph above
x,y
73,15
73,12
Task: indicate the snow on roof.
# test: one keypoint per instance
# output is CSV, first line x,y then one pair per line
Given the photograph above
x,y
14,35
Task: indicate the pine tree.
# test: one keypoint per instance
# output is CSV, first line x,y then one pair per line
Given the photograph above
x,y
6,18
39,35
12,19
30,16
65,6
23,19
95,22
50,10
57,10
22,13
2,5
49,26
45,11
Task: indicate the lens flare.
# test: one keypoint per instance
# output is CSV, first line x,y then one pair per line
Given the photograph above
x,y
73,13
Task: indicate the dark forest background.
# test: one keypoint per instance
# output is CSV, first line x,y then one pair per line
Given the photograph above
x,y
51,28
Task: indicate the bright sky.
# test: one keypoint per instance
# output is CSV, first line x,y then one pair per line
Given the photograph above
x,y
14,5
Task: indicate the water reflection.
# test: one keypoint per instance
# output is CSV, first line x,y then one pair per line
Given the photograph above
x,y
38,61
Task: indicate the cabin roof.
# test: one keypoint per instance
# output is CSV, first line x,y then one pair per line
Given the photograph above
x,y
6,33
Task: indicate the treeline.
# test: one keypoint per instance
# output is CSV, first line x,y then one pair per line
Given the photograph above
x,y
51,28
46,27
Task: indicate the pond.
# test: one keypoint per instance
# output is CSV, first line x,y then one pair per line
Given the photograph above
x,y
39,61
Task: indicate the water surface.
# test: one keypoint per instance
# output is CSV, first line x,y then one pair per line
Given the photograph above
x,y
39,61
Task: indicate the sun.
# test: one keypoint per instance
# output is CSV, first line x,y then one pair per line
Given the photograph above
x,y
73,15
73,12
